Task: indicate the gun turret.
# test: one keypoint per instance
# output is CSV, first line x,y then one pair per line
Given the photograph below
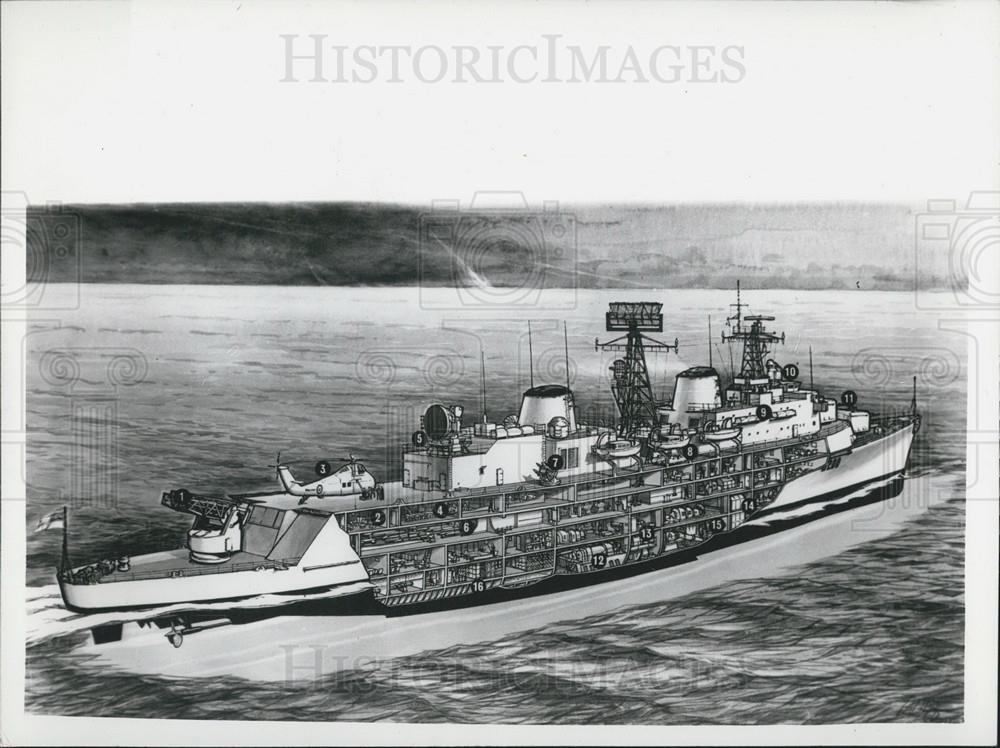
x,y
182,500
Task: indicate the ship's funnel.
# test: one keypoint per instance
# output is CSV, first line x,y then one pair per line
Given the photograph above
x,y
695,390
543,403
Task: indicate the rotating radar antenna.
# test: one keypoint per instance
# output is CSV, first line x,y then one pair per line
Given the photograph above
x,y
630,386
756,344
756,340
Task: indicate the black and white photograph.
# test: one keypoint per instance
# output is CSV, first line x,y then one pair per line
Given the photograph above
x,y
468,374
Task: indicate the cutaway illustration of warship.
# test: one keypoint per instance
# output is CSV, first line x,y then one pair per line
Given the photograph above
x,y
486,507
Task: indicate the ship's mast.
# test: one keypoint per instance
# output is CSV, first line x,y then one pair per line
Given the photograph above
x,y
738,316
531,358
710,341
811,385
756,342
566,353
630,386
65,564
755,346
482,373
735,323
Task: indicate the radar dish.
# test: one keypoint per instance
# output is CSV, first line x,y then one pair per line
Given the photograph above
x,y
437,421
630,315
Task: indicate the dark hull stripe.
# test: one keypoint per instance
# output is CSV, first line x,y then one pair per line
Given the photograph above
x,y
830,496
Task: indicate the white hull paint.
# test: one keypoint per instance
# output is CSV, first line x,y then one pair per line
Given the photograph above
x,y
869,462
328,562
339,565
208,587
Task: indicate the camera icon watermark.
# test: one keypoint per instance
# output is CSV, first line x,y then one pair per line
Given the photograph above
x,y
41,255
959,244
382,367
498,253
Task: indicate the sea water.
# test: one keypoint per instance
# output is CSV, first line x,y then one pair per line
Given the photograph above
x,y
144,388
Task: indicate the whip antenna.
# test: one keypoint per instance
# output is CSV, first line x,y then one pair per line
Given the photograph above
x,y
710,341
482,371
566,352
531,360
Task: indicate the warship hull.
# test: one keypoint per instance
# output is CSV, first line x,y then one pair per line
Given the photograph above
x,y
536,499
350,558
252,581
883,458
659,524
357,605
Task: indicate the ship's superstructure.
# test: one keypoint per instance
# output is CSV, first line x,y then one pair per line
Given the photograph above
x,y
487,505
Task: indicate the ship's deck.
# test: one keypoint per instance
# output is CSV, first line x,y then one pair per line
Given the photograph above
x,y
285,501
166,564
395,493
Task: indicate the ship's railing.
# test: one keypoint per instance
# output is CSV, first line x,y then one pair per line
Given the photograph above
x,y
891,422
476,440
824,430
795,395
883,426
93,575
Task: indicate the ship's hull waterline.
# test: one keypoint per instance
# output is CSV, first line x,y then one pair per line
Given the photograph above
x,y
354,605
868,464
487,508
879,459
208,588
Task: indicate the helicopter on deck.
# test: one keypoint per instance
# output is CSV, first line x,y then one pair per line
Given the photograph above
x,y
349,479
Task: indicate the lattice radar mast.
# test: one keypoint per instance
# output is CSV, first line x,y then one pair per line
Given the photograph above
x,y
630,386
756,344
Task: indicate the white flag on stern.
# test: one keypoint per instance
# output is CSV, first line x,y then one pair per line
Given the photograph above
x,y
52,519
